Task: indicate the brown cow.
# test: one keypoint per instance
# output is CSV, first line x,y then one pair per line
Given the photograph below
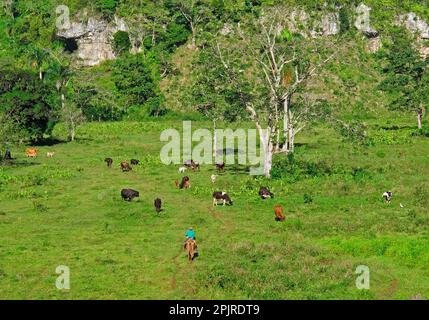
x,y
31,152
185,183
125,166
157,204
278,211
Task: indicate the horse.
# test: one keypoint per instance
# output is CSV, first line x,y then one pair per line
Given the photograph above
x,y
191,247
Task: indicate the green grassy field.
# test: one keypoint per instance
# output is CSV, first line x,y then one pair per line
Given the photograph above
x,y
67,210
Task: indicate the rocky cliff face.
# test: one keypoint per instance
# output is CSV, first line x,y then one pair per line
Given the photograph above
x,y
93,39
417,26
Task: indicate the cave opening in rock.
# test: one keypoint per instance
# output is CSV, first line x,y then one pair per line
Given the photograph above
x,y
70,45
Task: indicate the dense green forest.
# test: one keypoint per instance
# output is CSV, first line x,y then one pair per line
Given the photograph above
x,y
165,64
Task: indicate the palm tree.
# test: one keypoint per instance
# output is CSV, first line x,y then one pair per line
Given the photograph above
x,y
38,57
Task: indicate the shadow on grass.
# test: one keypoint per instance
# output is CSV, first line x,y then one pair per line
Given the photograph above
x,y
17,163
48,142
395,127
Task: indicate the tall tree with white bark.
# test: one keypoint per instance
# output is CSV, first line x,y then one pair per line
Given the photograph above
x,y
268,65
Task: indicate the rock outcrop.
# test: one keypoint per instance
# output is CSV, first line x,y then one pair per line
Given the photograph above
x,y
362,22
93,39
417,26
413,23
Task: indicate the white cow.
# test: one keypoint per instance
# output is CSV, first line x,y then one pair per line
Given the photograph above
x,y
182,169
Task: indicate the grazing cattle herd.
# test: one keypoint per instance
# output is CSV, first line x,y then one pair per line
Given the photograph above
x,y
218,197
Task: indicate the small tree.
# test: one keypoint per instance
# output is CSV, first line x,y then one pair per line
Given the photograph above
x,y
195,12
72,117
38,57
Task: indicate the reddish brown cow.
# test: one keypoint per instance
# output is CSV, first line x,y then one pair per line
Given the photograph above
x,y
31,152
278,211
125,166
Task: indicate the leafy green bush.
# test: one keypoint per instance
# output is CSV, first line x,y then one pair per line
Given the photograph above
x,y
293,170
106,7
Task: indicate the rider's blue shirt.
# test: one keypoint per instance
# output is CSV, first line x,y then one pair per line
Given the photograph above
x,y
190,234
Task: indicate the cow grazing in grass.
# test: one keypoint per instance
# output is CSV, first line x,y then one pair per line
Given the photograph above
x,y
182,169
221,196
129,194
194,165
185,183
213,178
220,166
31,152
125,166
134,162
157,204
264,193
387,196
50,154
278,211
109,162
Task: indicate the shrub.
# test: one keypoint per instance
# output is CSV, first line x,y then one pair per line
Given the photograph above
x,y
308,198
121,42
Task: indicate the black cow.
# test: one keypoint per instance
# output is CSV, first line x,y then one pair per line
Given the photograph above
x,y
129,194
109,162
157,204
7,155
220,166
134,161
221,196
264,193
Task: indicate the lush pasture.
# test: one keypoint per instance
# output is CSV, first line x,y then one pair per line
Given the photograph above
x,y
67,210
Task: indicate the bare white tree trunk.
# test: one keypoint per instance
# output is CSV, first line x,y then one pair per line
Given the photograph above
x,y
286,123
420,117
268,163
72,133
291,139
266,141
194,35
